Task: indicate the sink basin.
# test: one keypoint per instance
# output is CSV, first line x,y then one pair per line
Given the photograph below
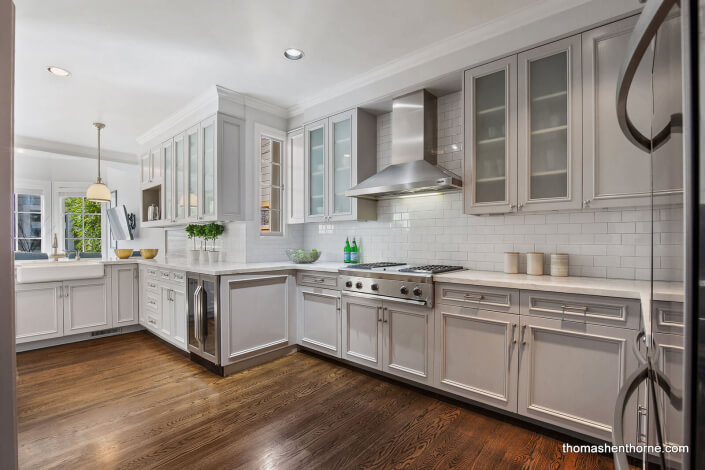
x,y
65,270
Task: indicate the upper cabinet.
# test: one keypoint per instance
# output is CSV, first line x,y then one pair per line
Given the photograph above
x,y
296,181
339,152
151,168
615,172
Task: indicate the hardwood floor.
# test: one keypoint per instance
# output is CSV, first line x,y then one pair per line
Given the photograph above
x,y
131,402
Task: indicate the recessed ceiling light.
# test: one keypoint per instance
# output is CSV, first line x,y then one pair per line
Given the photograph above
x,y
58,71
293,54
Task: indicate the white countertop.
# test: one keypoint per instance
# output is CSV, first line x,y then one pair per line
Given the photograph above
x,y
223,269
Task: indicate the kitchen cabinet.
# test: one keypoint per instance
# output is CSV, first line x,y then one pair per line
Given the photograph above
x,y
168,186
550,126
163,304
39,311
571,372
615,172
296,180
86,305
258,315
491,130
151,168
125,294
173,314
191,177
394,337
318,315
477,354
340,151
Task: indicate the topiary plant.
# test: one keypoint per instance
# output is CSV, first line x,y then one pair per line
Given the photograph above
x,y
212,231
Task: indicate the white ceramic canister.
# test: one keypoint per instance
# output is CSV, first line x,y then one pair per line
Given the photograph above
x,y
559,264
534,263
511,262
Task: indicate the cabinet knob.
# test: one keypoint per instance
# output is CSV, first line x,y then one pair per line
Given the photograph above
x,y
520,206
512,206
586,202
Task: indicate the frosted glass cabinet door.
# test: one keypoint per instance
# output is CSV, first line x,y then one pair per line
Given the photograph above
x,y
550,126
191,180
316,149
341,128
208,180
490,130
179,177
168,181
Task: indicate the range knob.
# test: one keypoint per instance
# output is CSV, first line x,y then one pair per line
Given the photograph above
x,y
417,291
358,284
374,287
404,290
348,283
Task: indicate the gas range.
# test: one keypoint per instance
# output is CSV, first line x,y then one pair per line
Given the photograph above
x,y
398,281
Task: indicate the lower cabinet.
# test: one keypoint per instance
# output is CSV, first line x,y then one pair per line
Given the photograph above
x,y
39,311
477,354
571,372
86,306
319,319
391,336
125,294
163,304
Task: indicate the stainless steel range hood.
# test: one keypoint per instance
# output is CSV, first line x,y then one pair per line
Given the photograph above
x,y
413,167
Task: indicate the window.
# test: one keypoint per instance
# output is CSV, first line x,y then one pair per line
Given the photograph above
x,y
82,225
28,221
271,151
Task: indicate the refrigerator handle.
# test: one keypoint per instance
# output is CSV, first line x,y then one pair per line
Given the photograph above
x,y
652,16
197,313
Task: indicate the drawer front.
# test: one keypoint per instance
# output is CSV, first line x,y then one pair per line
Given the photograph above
x,y
669,317
611,311
153,321
178,277
151,273
152,301
489,298
150,285
317,279
165,275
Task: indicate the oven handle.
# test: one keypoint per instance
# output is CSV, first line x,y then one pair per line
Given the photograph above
x,y
421,303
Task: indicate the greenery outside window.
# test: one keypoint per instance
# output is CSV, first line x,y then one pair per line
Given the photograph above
x,y
82,225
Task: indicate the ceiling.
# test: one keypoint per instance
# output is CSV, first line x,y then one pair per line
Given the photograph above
x,y
134,63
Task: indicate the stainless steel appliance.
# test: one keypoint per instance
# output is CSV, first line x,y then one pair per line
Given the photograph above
x,y
204,319
393,281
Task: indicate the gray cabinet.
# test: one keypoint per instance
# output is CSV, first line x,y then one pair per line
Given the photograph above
x,y
86,305
295,178
125,294
476,354
362,332
163,304
615,172
570,374
318,314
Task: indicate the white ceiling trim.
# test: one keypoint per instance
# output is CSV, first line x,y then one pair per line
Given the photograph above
x,y
483,32
50,147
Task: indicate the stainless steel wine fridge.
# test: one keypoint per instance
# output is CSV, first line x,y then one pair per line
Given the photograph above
x,y
204,319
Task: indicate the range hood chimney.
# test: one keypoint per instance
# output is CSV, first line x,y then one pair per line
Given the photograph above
x,y
413,167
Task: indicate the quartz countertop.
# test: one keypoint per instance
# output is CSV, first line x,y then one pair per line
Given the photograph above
x,y
225,268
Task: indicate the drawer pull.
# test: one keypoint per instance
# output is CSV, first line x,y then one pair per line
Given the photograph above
x,y
579,308
474,297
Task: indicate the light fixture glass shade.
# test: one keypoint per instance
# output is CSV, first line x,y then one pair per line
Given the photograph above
x,y
98,192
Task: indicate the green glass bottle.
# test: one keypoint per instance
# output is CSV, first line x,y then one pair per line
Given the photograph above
x,y
346,251
354,255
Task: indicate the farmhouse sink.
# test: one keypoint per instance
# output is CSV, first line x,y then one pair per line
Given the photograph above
x,y
65,270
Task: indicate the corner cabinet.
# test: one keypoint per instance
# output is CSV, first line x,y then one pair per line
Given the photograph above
x,y
203,174
295,185
339,152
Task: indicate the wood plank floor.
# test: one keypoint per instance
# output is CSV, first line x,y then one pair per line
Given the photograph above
x,y
131,402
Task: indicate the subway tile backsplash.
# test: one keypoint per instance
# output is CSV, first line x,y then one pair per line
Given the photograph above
x,y
614,243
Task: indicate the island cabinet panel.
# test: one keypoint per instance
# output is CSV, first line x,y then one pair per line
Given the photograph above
x,y
362,337
257,316
571,372
408,341
477,354
39,311
87,305
125,295
318,314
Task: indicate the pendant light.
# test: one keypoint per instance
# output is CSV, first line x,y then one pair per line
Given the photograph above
x,y
98,191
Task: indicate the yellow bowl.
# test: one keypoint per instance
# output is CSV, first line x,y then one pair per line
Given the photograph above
x,y
123,253
149,253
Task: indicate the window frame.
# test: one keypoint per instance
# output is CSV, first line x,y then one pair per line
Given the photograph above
x,y
265,132
37,188
62,191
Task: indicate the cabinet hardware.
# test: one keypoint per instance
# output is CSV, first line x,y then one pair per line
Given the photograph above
x,y
66,291
520,206
523,332
474,297
514,327
379,317
338,307
512,206
384,315
579,308
587,202
641,414
319,280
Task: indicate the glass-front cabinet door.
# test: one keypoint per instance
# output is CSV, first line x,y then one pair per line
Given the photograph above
x,y
191,179
340,172
550,126
316,143
155,167
167,189
179,177
208,154
490,96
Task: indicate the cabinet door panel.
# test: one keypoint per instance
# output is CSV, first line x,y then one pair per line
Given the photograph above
x,y
570,374
617,173
316,148
168,186
476,355
490,131
145,169
166,311
179,178
178,306
191,180
550,126
408,341
362,338
124,295
296,177
208,176
86,306
342,130
38,311
319,321
156,165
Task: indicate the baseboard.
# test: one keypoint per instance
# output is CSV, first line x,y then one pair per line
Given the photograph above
x,y
47,343
257,360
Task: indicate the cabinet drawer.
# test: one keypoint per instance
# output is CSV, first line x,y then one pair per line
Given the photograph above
x,y
151,272
317,279
150,285
165,275
178,276
489,298
152,301
612,311
669,317
153,321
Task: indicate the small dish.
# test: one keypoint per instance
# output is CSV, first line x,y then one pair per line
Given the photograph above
x,y
149,253
123,253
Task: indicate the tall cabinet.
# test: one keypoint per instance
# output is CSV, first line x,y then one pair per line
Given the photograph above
x,y
339,152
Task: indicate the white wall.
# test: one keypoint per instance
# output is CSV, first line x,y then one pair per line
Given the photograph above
x,y
8,416
433,229
122,177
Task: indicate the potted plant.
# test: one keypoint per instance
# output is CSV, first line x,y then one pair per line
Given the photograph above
x,y
194,231
212,232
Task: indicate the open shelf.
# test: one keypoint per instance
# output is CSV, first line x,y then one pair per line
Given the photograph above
x,y
549,96
549,130
151,196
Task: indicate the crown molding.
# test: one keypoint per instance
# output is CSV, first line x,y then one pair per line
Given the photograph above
x,y
477,34
50,147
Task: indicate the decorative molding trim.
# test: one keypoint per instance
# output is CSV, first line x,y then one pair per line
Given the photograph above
x,y
501,26
50,147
